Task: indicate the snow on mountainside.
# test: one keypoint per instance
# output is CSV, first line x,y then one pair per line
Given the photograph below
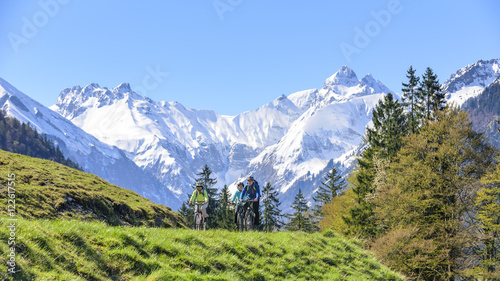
x,y
171,141
328,133
108,162
470,81
281,142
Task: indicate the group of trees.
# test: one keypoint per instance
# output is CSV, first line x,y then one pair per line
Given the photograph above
x,y
425,194
20,138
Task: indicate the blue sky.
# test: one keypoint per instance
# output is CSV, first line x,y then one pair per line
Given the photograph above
x,y
235,55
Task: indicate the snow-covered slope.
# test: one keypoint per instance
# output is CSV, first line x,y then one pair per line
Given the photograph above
x,y
108,162
326,134
171,141
282,142
470,81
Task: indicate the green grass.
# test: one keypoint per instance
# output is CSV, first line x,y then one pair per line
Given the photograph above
x,y
45,189
73,250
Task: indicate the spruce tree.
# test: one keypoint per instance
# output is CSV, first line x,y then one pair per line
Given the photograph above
x,y
412,99
271,214
432,97
383,141
212,192
225,213
301,219
332,185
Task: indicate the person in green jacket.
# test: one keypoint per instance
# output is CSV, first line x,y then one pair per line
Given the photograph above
x,y
200,197
236,201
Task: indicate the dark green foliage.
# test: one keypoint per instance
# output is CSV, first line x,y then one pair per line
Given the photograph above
x,y
212,192
432,97
389,126
301,219
271,215
411,100
225,213
384,141
332,185
20,138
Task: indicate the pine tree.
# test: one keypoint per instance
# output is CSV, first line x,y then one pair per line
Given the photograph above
x,y
432,97
187,213
271,214
301,219
411,100
212,192
384,141
332,185
225,213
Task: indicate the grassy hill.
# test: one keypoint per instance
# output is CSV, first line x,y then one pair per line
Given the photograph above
x,y
45,189
72,250
73,225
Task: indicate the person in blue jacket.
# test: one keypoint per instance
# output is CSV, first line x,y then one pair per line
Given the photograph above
x,y
252,192
236,200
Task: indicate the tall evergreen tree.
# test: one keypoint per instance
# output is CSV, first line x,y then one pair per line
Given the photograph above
x,y
384,141
301,219
225,213
187,213
271,214
213,194
432,97
412,99
332,185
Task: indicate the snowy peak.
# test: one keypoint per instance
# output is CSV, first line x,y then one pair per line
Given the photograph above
x,y
377,86
74,101
470,81
345,76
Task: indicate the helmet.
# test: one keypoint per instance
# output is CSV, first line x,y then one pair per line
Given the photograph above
x,y
250,178
199,184
240,183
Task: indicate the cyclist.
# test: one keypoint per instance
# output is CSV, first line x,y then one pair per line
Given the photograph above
x,y
239,205
200,196
252,191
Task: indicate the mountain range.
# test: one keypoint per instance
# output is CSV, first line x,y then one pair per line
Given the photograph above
x,y
157,148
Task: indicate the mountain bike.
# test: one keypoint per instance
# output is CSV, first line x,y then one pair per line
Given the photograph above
x,y
240,217
199,222
249,216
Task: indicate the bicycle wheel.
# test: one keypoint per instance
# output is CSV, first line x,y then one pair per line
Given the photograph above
x,y
197,221
240,221
249,220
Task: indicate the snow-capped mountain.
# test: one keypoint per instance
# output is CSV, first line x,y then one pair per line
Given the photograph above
x,y
108,162
470,81
280,142
326,134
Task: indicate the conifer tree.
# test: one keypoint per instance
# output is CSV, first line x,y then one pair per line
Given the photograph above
x,y
212,192
271,214
412,99
432,97
225,214
332,185
301,219
384,141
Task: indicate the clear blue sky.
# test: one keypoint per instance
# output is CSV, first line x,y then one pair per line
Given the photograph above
x,y
235,55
